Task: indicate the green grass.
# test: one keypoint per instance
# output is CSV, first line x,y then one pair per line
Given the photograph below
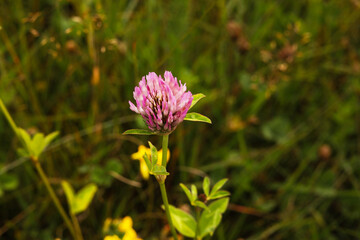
x,y
273,105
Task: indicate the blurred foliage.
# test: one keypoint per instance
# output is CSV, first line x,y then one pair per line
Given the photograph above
x,y
282,86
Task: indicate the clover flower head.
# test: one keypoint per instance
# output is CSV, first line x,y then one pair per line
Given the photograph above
x,y
163,103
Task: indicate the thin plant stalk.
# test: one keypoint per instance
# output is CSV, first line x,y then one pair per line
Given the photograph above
x,y
167,209
8,117
53,196
165,142
76,227
43,176
161,181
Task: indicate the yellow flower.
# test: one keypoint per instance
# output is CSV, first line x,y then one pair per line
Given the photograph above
x,y
125,224
139,155
107,224
130,235
112,237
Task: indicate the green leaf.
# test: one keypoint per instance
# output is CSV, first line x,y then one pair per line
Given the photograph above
x,y
199,203
159,170
196,98
187,192
206,186
69,193
194,192
139,132
197,117
147,161
218,185
154,154
209,220
26,139
49,138
183,222
219,205
219,194
37,144
83,198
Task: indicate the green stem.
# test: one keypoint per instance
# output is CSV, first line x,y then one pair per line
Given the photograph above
x,y
197,210
161,182
165,142
54,198
8,117
77,227
167,209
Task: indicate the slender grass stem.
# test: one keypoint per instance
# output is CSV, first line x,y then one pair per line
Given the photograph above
x,y
76,227
8,117
55,198
167,209
165,142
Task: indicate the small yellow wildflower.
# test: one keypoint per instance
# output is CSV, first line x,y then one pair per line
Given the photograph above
x,y
130,234
122,225
107,224
139,155
125,224
112,237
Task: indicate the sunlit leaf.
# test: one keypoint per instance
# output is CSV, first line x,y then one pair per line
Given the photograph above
x,y
197,117
139,132
199,203
154,154
196,98
26,139
49,138
194,192
187,192
218,185
209,220
147,161
206,186
83,198
69,192
183,222
37,145
219,205
219,194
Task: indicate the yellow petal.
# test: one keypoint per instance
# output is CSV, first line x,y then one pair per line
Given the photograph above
x,y
126,224
107,224
160,156
144,170
130,235
112,237
140,153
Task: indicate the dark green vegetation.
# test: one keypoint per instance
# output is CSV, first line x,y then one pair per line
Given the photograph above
x,y
283,90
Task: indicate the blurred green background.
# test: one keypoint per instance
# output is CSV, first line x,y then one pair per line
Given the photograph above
x,y
282,80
